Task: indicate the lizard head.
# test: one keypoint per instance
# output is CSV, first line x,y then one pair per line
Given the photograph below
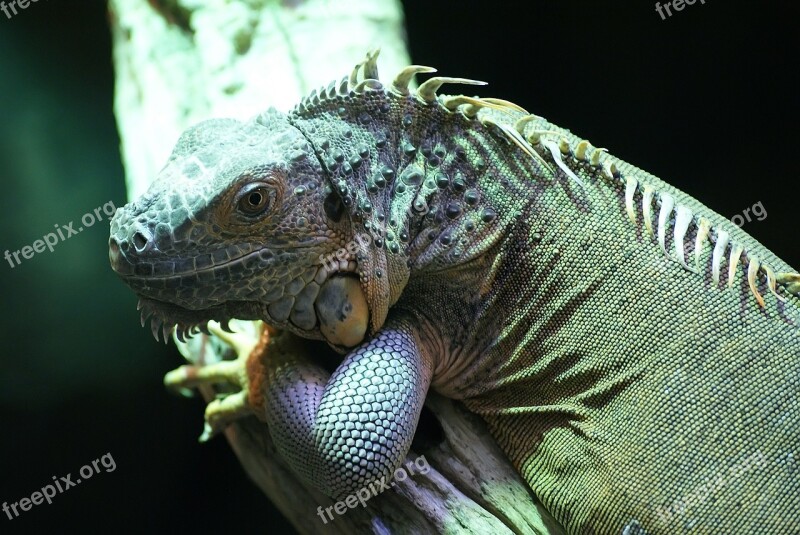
x,y
242,223
312,221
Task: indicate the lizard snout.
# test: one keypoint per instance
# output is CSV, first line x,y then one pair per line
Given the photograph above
x,y
137,240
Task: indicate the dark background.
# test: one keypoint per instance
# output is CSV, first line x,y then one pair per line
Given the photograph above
x,y
707,100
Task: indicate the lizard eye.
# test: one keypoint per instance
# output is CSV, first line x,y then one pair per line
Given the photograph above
x,y
254,199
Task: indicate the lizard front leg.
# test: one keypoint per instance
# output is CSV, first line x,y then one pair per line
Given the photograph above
x,y
246,369
338,432
344,431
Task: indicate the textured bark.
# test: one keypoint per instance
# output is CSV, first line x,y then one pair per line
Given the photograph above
x,y
182,61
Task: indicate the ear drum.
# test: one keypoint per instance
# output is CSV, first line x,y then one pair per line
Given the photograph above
x,y
342,311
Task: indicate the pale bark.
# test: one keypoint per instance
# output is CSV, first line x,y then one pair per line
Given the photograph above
x,y
183,61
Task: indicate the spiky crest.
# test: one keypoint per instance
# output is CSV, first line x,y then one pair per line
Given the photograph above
x,y
539,143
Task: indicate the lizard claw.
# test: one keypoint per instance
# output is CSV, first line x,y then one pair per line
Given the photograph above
x,y
242,343
207,435
189,376
222,412
227,408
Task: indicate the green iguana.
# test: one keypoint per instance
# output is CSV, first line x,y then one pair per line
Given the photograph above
x,y
635,355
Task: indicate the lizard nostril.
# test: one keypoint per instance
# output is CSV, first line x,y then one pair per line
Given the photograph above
x,y
139,241
117,257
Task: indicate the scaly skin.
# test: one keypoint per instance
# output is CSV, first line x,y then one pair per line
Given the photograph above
x,y
635,378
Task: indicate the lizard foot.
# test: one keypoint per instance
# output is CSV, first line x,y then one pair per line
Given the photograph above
x,y
229,407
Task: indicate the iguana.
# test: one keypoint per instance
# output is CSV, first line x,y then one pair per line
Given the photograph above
x,y
635,355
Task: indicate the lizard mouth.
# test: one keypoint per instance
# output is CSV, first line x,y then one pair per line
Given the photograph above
x,y
165,317
332,307
324,302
